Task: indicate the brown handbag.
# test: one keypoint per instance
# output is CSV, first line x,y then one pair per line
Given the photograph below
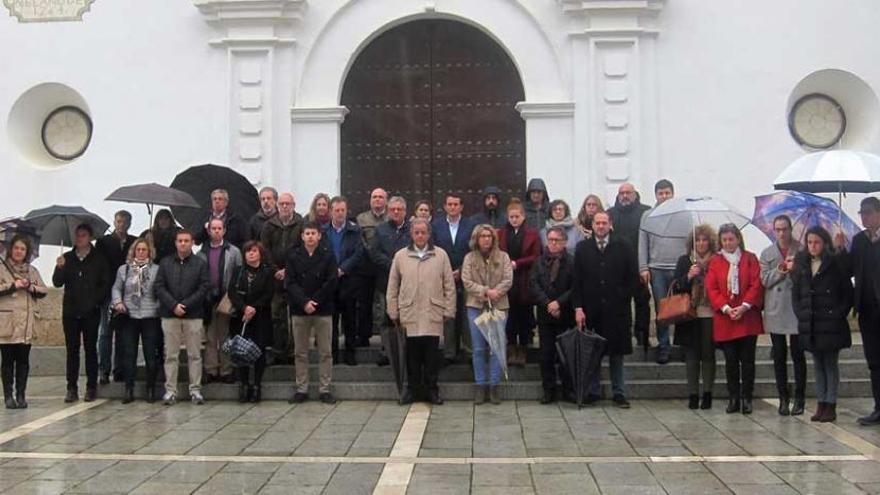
x,y
675,308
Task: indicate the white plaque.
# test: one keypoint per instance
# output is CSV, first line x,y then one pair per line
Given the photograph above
x,y
48,10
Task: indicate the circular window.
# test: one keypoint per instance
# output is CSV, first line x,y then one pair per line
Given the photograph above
x,y
66,132
816,120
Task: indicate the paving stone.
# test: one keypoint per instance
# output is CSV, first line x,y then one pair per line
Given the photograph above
x,y
622,474
633,490
234,483
303,474
857,471
320,448
33,487
112,483
73,470
251,467
870,488
188,472
690,483
354,479
501,475
796,467
165,488
291,490
743,473
221,446
763,489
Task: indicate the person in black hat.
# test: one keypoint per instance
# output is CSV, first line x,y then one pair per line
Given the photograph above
x,y
491,214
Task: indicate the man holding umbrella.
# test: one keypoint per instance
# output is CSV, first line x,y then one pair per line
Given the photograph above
x,y
235,226
863,262
604,281
114,246
85,276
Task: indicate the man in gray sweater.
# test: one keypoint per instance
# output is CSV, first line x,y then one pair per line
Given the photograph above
x,y
657,258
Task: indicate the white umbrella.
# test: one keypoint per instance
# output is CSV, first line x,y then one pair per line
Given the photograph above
x,y
834,171
678,217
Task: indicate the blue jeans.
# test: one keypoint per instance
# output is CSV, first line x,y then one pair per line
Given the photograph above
x,y
825,364
618,388
481,352
660,281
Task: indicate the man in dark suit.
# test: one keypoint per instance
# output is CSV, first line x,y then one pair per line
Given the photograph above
x,y
236,228
863,262
453,234
605,277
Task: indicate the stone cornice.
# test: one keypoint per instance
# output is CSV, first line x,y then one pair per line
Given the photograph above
x,y
318,114
612,18
251,11
639,7
555,110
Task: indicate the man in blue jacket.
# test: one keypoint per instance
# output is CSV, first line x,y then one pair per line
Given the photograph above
x,y
343,238
453,234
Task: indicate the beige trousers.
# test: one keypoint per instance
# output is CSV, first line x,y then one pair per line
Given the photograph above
x,y
216,362
303,328
179,331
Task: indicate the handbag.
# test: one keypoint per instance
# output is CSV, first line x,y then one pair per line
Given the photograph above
x,y
224,307
241,350
675,308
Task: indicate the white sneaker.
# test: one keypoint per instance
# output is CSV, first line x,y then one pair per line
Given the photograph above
x,y
197,398
169,399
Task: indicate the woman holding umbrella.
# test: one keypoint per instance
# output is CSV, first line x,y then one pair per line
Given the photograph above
x,y
162,234
823,296
733,284
696,336
487,275
20,287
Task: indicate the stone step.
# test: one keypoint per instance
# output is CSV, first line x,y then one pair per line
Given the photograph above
x,y
369,372
522,390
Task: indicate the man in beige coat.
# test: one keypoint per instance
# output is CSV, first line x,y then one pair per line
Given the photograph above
x,y
421,295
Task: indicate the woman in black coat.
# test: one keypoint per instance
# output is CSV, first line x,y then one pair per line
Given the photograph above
x,y
696,336
250,292
822,296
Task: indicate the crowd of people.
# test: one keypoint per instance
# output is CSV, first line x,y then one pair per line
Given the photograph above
x,y
281,279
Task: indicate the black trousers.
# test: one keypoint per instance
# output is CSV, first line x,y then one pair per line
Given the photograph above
x,y
780,350
520,322
15,367
364,312
82,331
642,300
869,325
148,332
547,334
422,365
344,312
739,355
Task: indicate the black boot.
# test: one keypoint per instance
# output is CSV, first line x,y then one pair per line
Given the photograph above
x,y
7,394
707,401
151,393
243,392
747,406
797,407
784,409
128,397
256,393
733,405
693,401
20,387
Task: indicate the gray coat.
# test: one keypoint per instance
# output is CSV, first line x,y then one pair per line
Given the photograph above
x,y
779,317
139,308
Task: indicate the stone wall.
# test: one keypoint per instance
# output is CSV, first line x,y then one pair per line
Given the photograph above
x,y
49,331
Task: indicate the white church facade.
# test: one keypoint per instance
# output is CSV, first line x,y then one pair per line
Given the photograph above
x,y
425,96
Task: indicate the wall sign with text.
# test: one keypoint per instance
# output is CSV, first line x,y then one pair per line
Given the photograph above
x,y
48,10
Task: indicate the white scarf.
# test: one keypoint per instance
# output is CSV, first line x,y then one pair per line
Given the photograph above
x,y
733,271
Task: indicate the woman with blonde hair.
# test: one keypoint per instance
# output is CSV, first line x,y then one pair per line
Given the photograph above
x,y
696,336
134,302
319,210
487,276
592,204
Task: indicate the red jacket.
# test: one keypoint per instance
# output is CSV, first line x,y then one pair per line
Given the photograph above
x,y
750,291
531,251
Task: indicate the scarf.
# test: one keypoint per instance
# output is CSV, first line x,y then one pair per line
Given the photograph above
x,y
555,262
18,270
140,271
733,272
566,223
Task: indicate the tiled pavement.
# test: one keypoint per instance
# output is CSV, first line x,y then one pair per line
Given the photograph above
x,y
513,448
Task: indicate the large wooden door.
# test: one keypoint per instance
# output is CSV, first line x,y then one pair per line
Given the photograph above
x,y
431,111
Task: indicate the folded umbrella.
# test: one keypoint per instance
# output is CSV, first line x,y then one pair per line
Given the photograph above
x,y
581,355
805,210
56,224
396,339
491,323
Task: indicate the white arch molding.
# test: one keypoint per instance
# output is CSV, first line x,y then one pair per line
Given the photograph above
x,y
316,115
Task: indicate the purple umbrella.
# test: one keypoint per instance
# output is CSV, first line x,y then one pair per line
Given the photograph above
x,y
805,210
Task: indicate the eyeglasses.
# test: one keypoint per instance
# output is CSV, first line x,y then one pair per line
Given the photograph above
x,y
486,236
555,240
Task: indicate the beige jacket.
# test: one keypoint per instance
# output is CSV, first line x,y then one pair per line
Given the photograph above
x,y
479,275
421,292
18,308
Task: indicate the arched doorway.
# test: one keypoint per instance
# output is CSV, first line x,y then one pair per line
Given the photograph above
x,y
431,107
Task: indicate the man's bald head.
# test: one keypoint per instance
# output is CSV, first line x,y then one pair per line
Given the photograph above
x,y
286,205
626,194
378,200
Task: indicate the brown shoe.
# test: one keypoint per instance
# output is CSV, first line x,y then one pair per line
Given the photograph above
x,y
830,413
820,412
511,355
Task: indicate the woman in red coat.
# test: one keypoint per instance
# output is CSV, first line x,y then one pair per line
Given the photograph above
x,y
733,284
523,244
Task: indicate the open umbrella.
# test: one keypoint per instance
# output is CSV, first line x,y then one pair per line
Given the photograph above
x,y
581,355
153,194
396,339
679,217
491,324
200,180
12,226
833,171
805,210
56,224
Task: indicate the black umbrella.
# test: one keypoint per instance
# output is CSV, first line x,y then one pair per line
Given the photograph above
x,y
153,194
12,226
56,224
581,355
200,180
396,339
